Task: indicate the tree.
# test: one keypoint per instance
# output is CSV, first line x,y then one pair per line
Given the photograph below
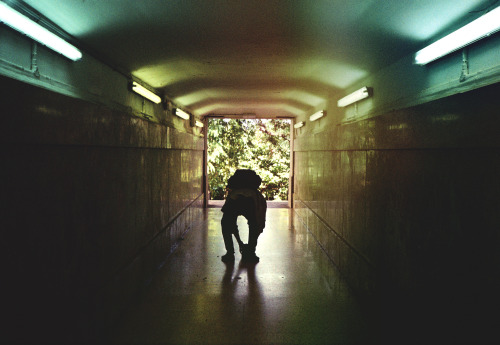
x,y
261,145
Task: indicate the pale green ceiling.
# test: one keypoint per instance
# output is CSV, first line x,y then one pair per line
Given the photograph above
x,y
268,57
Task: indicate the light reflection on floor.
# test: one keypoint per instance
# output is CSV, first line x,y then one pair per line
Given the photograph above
x,y
284,299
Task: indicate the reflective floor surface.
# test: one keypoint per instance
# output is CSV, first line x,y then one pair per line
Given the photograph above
x,y
292,296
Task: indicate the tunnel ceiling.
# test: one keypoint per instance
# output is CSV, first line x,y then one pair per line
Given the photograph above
x,y
268,58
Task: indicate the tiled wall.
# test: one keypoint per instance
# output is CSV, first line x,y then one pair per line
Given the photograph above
x,y
407,204
94,201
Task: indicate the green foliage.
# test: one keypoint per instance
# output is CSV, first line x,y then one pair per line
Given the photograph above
x,y
261,145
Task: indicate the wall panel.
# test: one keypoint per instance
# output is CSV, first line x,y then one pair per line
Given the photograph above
x,y
95,200
406,205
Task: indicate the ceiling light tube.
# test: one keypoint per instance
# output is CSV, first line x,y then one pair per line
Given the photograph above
x,y
198,124
317,115
182,114
141,90
482,27
26,26
299,124
354,97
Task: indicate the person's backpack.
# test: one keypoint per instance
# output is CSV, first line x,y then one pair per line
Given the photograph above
x,y
244,178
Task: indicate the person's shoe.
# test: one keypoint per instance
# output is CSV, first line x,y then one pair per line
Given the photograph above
x,y
250,257
227,257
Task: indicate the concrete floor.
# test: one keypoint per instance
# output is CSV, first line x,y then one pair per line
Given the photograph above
x,y
292,296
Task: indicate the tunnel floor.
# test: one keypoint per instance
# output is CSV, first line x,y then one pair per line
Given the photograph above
x,y
293,295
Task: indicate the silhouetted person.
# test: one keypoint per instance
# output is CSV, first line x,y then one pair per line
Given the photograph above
x,y
243,199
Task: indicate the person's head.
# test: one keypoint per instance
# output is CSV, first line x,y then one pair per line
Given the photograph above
x,y
244,178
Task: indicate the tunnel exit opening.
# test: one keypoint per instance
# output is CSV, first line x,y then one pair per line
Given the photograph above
x,y
263,145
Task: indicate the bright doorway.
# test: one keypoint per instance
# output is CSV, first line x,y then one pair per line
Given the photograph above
x,y
262,145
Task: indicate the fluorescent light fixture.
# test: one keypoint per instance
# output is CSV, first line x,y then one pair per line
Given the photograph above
x,y
26,26
299,124
198,124
483,26
182,114
317,115
354,97
141,90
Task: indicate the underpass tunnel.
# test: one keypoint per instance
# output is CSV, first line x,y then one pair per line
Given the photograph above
x,y
391,233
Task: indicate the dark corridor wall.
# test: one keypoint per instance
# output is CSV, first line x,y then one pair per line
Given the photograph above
x,y
407,206
93,202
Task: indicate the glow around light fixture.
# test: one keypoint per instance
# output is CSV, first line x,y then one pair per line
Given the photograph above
x,y
299,124
354,97
182,114
317,115
26,26
141,90
482,27
198,124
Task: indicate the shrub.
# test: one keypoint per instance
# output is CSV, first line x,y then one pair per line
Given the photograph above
x,y
261,145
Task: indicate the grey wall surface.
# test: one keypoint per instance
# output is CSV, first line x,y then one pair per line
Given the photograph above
x,y
406,204
93,201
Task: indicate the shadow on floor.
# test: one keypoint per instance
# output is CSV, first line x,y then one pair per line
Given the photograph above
x,y
284,299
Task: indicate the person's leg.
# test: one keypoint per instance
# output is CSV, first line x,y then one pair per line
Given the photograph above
x,y
248,211
253,235
229,226
238,239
